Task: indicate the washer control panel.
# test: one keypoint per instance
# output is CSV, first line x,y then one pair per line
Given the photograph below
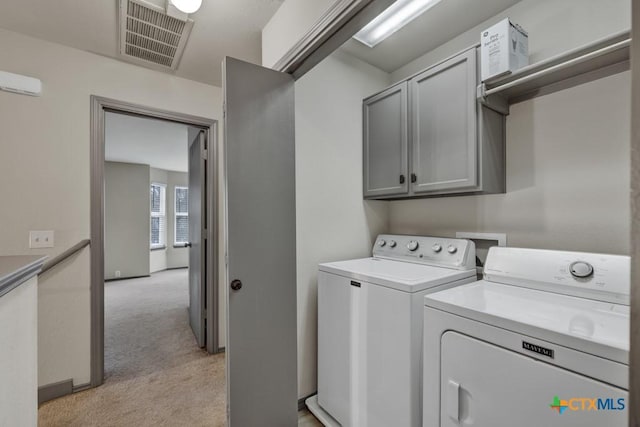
x,y
581,269
438,251
595,276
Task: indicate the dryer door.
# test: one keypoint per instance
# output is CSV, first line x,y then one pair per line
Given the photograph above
x,y
484,385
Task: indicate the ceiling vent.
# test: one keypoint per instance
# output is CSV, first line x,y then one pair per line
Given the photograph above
x,y
148,36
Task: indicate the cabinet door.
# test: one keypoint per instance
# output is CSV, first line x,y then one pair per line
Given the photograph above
x,y
443,117
385,143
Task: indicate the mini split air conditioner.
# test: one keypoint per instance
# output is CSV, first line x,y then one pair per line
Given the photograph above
x,y
20,84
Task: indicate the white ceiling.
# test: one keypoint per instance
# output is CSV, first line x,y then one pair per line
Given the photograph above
x,y
158,143
436,26
222,28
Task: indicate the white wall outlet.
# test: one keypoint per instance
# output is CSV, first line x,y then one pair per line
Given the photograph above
x,y
41,239
117,273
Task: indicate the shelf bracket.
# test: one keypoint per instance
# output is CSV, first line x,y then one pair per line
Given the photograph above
x,y
494,102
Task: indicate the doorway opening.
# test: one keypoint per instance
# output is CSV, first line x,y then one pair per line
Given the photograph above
x,y
154,223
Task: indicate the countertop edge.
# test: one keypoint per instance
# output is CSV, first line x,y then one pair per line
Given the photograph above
x,y
21,275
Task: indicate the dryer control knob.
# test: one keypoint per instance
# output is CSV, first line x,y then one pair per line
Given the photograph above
x,y
436,248
412,245
381,242
392,243
581,269
452,249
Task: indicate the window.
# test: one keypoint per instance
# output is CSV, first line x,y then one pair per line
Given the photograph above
x,y
181,222
158,216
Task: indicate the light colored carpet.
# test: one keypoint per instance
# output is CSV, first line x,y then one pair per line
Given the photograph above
x,y
155,375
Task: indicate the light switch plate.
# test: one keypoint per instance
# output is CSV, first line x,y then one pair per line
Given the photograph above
x,y
41,239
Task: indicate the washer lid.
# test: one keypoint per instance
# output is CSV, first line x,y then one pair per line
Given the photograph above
x,y
400,275
595,327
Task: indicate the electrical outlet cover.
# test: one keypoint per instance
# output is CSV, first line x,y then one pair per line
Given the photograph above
x,y
41,239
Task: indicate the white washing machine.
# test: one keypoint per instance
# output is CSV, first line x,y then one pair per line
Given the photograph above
x,y
543,340
370,328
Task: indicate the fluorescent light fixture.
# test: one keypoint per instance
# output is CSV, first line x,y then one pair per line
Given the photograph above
x,y
187,6
392,19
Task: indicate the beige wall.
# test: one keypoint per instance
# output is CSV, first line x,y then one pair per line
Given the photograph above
x,y
567,153
567,177
126,220
288,25
333,222
44,159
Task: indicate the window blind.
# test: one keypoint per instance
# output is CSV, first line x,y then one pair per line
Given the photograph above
x,y
158,234
181,217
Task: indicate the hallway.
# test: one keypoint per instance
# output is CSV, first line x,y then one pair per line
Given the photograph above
x,y
155,373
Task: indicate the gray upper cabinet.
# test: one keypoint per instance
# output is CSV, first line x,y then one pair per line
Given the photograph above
x,y
455,145
443,118
385,143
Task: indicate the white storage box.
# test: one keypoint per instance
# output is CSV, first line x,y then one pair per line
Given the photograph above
x,y
504,49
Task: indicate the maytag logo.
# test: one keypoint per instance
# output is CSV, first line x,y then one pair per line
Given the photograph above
x,y
537,349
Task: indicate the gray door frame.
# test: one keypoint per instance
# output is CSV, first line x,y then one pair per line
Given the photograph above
x,y
634,355
338,24
99,106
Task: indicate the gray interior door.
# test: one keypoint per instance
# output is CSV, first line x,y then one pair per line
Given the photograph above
x,y
260,177
196,220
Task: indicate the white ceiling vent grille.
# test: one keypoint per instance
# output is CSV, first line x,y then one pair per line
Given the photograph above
x,y
148,36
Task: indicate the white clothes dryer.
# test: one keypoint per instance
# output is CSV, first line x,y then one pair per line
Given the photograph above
x,y
543,340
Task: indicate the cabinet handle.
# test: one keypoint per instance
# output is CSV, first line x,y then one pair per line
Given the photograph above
x,y
401,179
414,178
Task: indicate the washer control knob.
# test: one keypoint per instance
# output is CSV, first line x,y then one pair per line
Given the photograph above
x,y
452,249
412,245
581,269
436,248
392,243
381,242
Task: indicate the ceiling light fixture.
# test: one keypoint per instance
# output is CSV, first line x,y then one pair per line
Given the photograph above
x,y
392,19
187,6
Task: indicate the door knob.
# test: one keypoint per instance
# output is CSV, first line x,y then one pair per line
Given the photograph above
x,y
236,285
187,245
